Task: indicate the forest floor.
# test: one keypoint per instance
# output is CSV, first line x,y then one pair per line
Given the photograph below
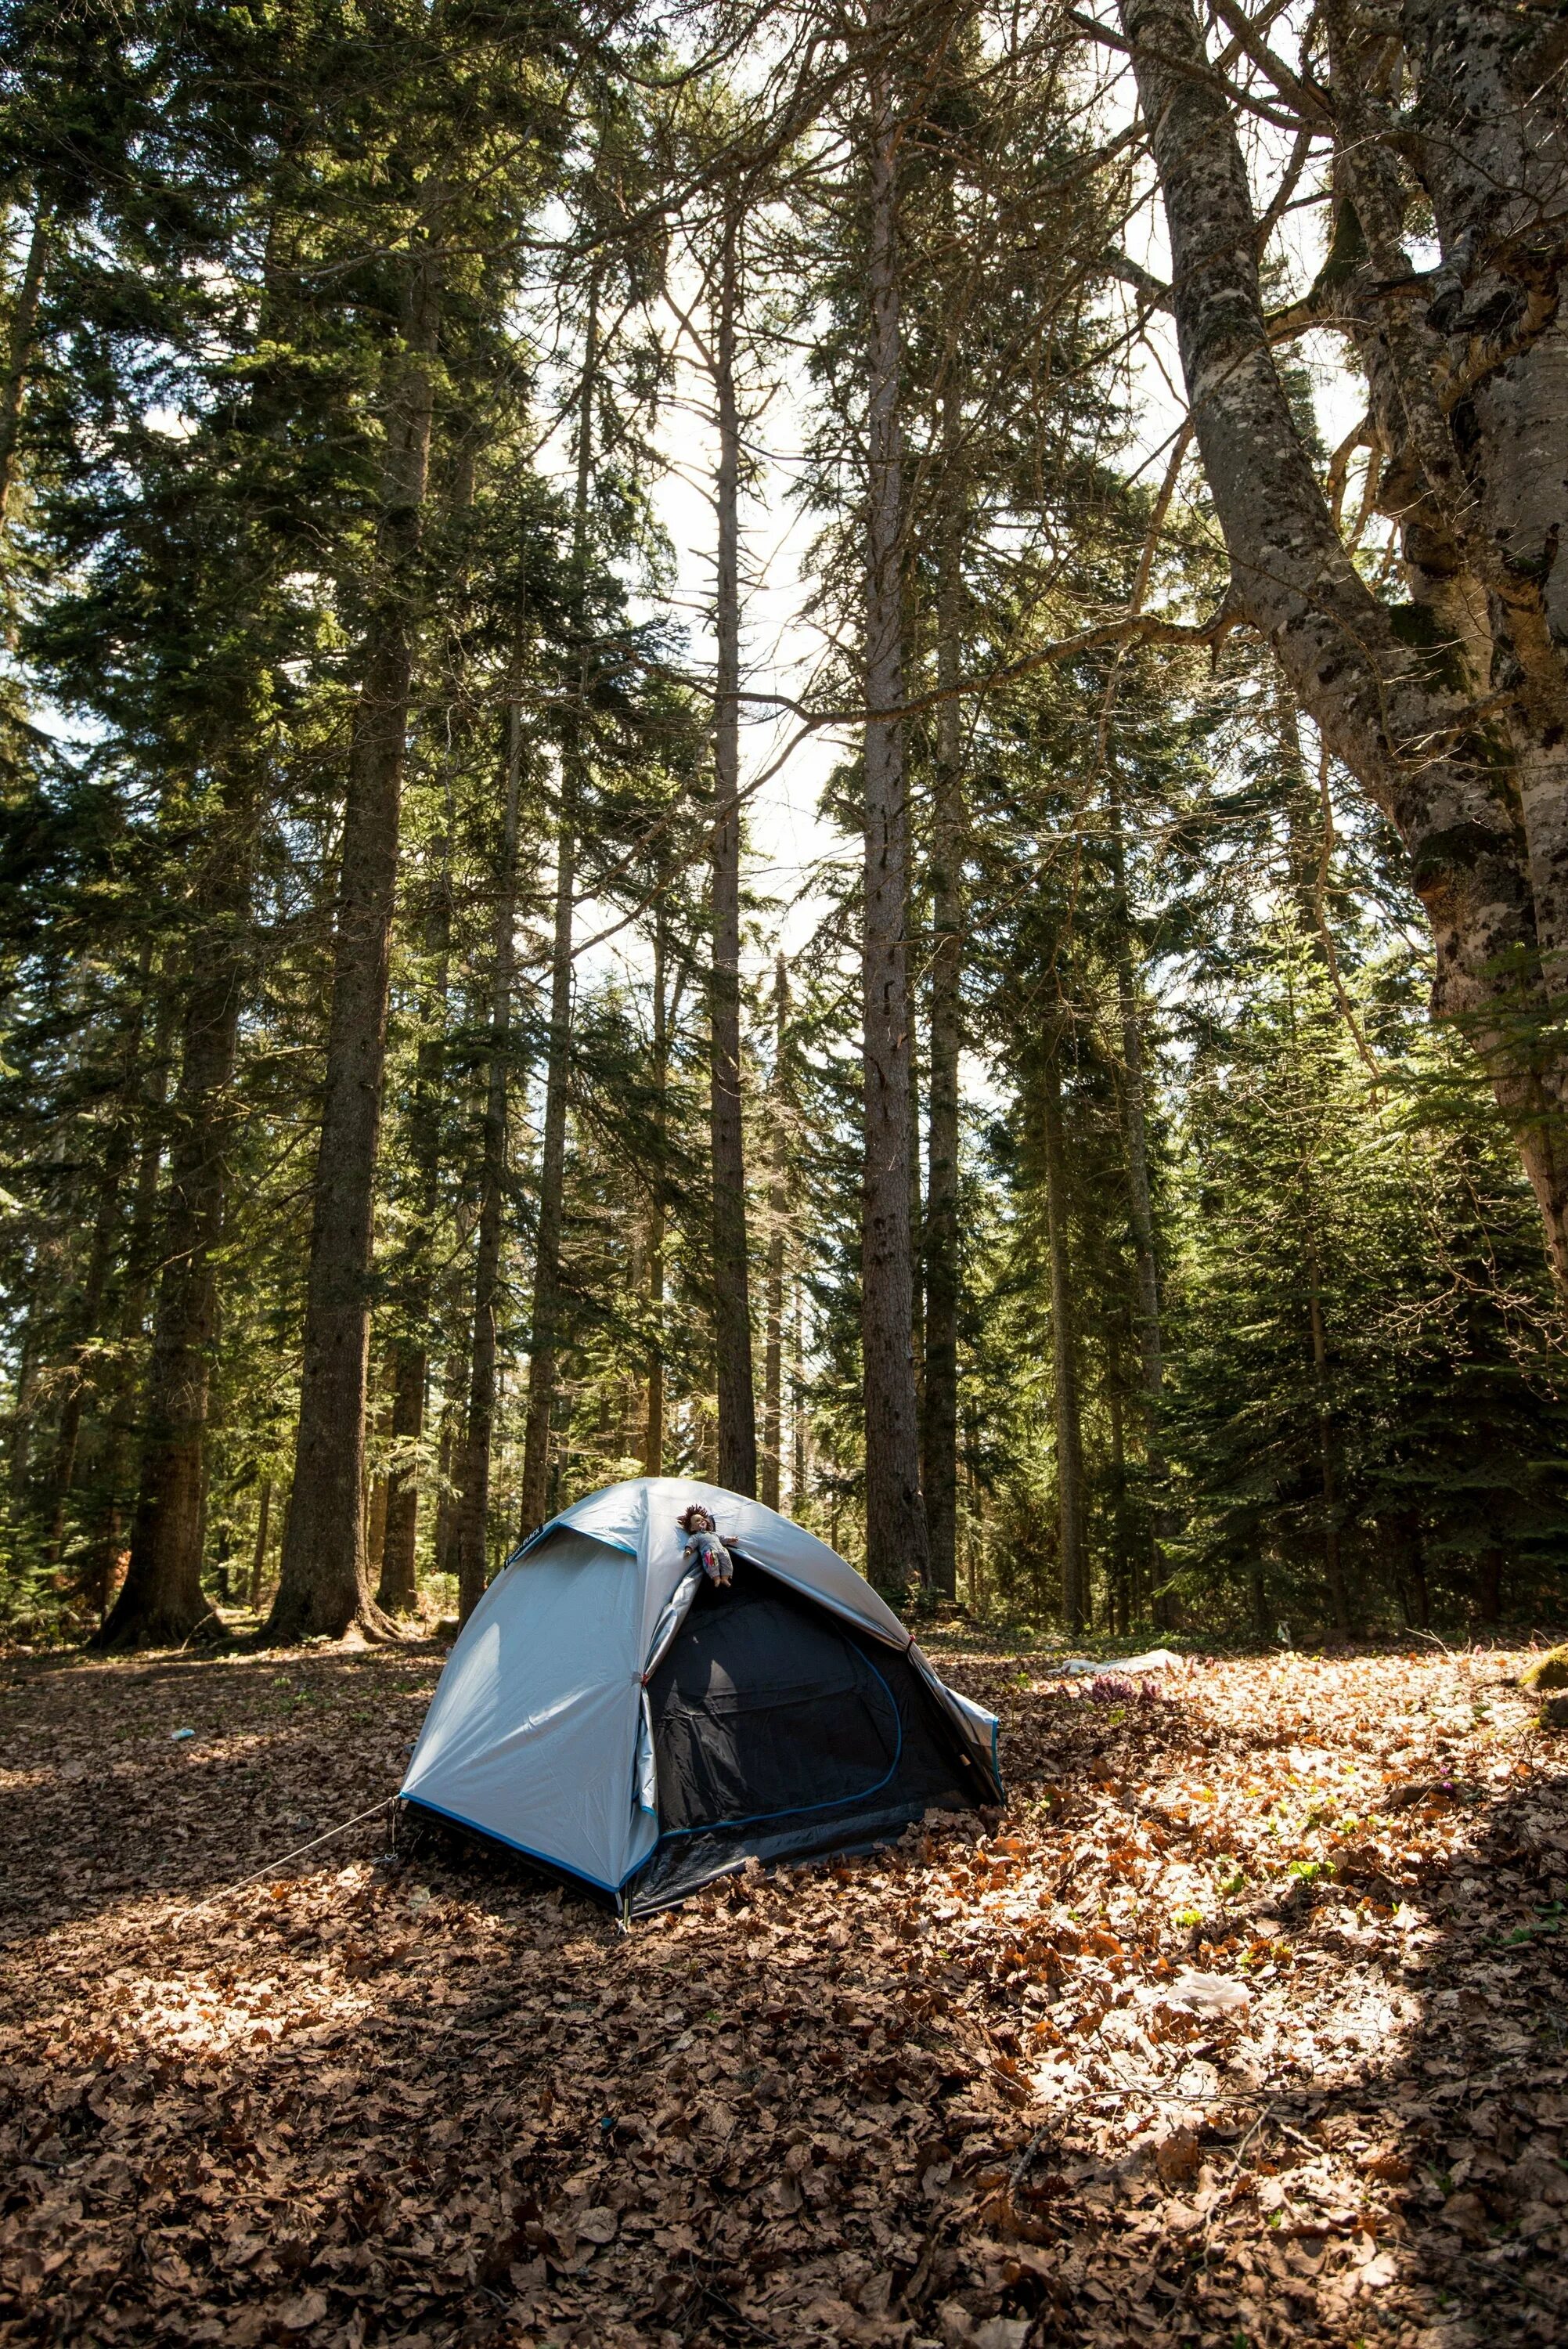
x,y
958,2092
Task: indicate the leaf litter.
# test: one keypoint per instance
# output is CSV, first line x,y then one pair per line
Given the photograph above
x,y
1242,2025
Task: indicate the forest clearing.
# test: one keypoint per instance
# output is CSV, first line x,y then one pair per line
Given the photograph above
x,y
947,2093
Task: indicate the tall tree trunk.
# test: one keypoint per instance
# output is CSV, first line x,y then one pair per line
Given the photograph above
x,y
398,1590
19,350
1333,1568
654,1422
449,1449
778,1220
731,1276
546,1323
896,1548
473,1506
1139,1196
1063,1353
161,1600
24,1395
1119,1576
1415,743
264,1529
800,1421
940,1422
116,1465
323,1583
117,1150
544,1336
375,1498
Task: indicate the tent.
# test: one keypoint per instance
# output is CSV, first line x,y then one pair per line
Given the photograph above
x,y
607,1712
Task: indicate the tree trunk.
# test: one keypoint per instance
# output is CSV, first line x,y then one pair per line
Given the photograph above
x,y
1413,741
799,1423
162,1601
20,354
545,1331
1139,1197
473,1504
323,1583
654,1422
896,1549
19,1432
109,1555
259,1555
1064,1354
1121,1574
376,1496
90,1311
454,1380
398,1591
1332,1566
546,1323
1260,1597
731,1278
1488,1587
778,1220
940,1420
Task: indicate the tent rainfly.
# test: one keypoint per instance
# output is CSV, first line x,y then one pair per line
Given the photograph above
x,y
609,1713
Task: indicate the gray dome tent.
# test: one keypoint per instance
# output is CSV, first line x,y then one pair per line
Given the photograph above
x,y
605,1711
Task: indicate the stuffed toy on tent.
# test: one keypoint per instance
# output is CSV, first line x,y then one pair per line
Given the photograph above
x,y
614,1714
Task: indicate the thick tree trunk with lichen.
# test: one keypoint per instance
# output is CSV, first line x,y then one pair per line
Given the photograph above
x,y
323,1583
1399,714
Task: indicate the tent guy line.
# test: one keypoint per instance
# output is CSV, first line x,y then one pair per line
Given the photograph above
x,y
273,1865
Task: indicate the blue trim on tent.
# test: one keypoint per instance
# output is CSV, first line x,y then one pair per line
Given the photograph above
x,y
543,1857
799,1810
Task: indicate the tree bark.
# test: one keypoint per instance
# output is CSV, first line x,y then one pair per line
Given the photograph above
x,y
545,1330
1071,1517
896,1548
546,1324
799,1423
731,1277
398,1591
19,351
1333,1567
118,1145
473,1506
1413,741
259,1555
654,1420
161,1600
1139,1196
939,1419
323,1583
778,1220
114,1477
